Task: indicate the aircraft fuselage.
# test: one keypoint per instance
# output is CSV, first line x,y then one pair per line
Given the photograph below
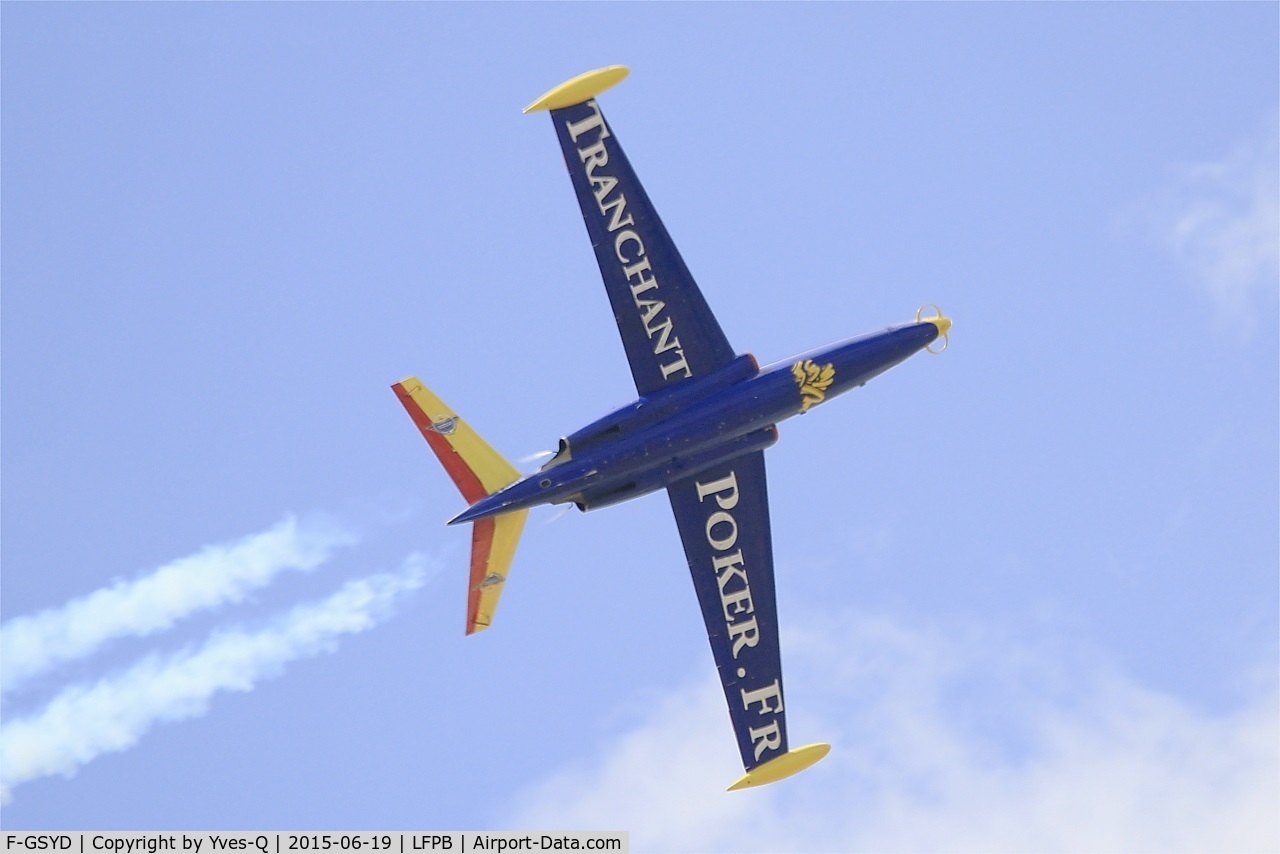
x,y
672,434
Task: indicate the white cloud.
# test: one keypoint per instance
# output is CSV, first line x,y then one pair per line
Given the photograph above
x,y
942,741
1222,220
214,576
659,780
85,721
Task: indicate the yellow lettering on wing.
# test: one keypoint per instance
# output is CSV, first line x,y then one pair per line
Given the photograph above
x,y
721,530
628,245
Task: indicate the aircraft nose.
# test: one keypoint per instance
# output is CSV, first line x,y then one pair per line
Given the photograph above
x,y
941,321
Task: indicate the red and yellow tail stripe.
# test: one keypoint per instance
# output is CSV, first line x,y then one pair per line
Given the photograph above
x,y
477,470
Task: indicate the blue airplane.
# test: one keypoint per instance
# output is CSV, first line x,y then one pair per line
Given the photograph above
x,y
698,429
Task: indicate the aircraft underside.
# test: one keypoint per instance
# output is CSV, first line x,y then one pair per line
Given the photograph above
x,y
698,429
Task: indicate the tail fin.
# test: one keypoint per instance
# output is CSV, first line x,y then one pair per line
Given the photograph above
x,y
477,470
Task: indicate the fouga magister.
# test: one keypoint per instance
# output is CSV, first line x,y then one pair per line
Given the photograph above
x,y
698,429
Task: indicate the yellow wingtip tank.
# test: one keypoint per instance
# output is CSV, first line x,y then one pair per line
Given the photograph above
x,y
791,762
581,88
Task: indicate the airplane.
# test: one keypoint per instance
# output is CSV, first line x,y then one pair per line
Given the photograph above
x,y
699,427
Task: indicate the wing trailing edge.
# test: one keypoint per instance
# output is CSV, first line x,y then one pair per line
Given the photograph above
x,y
477,470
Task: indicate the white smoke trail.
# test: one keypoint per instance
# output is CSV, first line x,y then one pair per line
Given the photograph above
x,y
213,576
85,721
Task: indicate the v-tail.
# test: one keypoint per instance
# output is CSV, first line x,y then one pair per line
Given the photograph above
x,y
478,471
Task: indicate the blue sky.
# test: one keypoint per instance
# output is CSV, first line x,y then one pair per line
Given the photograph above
x,y
1027,589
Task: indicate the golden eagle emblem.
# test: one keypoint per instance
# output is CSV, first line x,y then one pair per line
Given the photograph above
x,y
814,380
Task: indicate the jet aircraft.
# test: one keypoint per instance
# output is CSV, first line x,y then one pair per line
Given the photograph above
x,y
698,429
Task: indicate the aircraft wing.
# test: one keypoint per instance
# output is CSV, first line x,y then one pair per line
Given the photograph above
x,y
667,329
723,516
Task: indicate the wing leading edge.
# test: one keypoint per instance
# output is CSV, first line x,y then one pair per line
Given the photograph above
x,y
667,328
723,517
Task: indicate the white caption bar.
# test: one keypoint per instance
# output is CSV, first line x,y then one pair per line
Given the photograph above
x,y
301,842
